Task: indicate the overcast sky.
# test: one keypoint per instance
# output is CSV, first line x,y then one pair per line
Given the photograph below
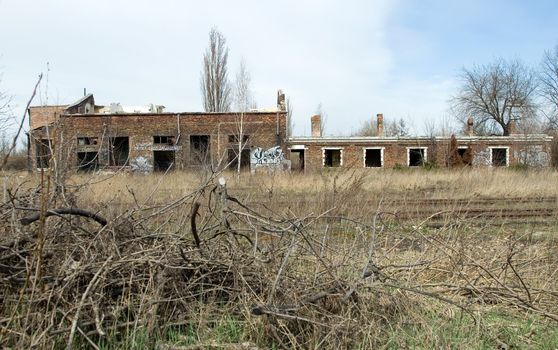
x,y
356,58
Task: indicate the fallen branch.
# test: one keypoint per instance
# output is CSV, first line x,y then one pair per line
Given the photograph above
x,y
64,211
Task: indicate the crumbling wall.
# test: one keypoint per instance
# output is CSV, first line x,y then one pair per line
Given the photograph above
x,y
263,129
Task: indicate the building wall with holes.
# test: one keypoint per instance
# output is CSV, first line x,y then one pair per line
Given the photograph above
x,y
264,129
530,151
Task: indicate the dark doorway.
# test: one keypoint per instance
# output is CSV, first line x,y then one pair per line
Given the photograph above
x,y
416,156
373,158
499,157
297,159
43,153
332,158
466,155
233,159
199,149
87,161
119,151
163,160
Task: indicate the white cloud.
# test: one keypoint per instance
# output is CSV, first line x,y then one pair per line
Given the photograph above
x,y
137,52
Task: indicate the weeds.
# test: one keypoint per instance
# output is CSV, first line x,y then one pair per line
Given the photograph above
x,y
211,266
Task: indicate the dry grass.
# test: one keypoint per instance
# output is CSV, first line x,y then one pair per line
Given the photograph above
x,y
284,261
440,183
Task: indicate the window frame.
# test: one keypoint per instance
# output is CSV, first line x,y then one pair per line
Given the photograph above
x,y
324,149
507,148
425,158
382,149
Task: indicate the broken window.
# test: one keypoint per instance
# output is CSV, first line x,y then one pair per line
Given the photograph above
x,y
43,153
87,161
417,156
119,151
373,158
332,157
199,149
163,160
499,157
164,140
466,155
297,159
233,158
86,141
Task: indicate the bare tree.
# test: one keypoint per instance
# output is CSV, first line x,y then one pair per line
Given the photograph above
x,y
290,121
13,145
323,120
243,101
368,128
214,81
548,79
5,109
397,128
439,127
497,95
391,128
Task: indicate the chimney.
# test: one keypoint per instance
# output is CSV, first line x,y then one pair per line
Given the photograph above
x,y
316,122
512,128
470,124
281,105
380,125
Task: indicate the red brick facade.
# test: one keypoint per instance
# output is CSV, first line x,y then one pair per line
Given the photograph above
x,y
398,152
148,141
96,141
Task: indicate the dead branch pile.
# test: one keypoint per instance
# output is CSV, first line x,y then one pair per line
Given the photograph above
x,y
315,281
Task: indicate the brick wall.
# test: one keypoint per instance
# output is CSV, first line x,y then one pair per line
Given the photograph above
x,y
395,153
41,116
261,127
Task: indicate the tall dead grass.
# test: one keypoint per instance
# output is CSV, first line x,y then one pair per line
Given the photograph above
x,y
183,258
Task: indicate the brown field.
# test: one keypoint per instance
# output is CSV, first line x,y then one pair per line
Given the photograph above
x,y
342,259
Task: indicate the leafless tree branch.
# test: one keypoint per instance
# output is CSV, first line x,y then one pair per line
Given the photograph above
x,y
214,83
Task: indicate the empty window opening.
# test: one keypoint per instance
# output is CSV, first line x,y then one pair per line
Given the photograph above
x,y
244,159
235,138
43,153
199,149
297,160
87,161
373,158
119,151
163,160
417,156
332,158
466,155
164,140
499,157
86,141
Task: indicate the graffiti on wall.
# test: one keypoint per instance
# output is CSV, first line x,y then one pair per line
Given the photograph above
x,y
482,158
140,165
533,156
270,158
156,147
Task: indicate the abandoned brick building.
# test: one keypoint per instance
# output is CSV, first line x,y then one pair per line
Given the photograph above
x,y
86,136
317,151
